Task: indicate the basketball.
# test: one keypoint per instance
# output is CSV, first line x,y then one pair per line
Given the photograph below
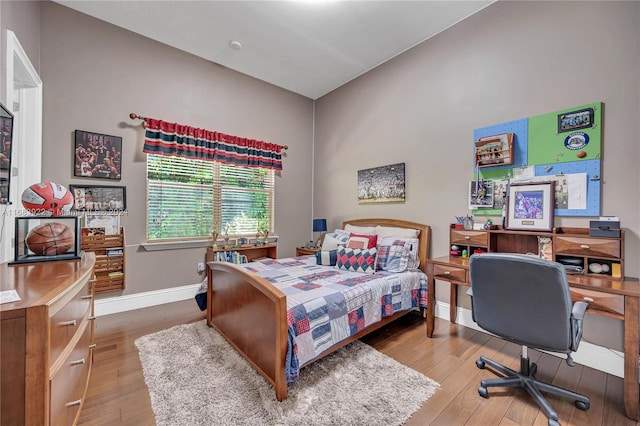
x,y
47,199
50,239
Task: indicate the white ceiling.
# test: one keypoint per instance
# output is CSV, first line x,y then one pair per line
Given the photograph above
x,y
308,47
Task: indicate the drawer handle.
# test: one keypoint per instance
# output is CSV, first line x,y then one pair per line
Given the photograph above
x,y
587,299
447,272
71,323
93,281
91,318
73,403
77,362
584,247
87,297
92,346
467,237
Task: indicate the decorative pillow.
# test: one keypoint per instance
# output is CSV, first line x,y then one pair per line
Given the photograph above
x,y
390,231
356,260
366,230
333,239
327,258
410,243
362,241
393,257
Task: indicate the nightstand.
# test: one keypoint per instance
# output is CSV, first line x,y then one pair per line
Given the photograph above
x,y
303,251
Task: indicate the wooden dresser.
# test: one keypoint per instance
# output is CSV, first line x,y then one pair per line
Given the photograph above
x,y
46,341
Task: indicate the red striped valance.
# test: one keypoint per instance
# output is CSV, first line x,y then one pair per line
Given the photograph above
x,y
178,140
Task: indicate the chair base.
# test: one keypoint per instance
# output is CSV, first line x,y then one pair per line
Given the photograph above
x,y
526,379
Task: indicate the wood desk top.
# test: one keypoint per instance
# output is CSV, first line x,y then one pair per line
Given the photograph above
x,y
624,287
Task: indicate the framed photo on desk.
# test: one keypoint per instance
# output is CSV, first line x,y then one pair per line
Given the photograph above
x,y
530,206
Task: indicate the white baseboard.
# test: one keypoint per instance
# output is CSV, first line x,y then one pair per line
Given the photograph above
x,y
604,359
598,357
114,305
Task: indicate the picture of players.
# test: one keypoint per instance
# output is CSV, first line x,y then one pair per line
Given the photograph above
x,y
97,155
5,142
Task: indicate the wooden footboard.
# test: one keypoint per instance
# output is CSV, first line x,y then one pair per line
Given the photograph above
x,y
252,315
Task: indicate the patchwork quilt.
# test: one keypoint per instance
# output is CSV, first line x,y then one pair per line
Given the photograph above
x,y
326,305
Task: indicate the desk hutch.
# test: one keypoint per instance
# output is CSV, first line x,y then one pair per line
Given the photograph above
x,y
608,292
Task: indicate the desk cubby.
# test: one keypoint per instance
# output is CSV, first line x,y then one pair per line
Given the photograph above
x,y
569,245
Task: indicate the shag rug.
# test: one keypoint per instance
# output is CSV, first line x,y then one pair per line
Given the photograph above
x,y
196,378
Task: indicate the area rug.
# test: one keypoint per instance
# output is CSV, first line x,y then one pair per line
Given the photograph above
x,y
196,378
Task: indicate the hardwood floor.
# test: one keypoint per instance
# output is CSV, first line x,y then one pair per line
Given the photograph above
x,y
117,394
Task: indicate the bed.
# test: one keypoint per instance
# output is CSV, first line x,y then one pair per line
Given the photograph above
x,y
252,313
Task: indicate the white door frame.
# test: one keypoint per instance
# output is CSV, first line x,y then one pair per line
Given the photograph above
x,y
21,86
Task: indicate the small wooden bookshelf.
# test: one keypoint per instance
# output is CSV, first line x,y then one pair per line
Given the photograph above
x,y
110,260
252,252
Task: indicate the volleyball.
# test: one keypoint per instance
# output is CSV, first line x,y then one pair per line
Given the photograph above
x,y
50,239
47,199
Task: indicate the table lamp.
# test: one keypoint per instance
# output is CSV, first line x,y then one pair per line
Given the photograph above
x,y
319,225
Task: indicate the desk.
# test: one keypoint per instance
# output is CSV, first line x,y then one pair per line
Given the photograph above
x,y
613,298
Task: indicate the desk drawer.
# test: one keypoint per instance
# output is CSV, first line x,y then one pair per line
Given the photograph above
x,y
449,273
601,303
470,238
592,247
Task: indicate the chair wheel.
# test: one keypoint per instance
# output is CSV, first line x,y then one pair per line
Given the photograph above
x,y
582,405
480,364
482,391
553,422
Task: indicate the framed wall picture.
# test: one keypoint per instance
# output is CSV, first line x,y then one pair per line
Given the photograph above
x,y
383,184
530,206
99,198
97,155
6,139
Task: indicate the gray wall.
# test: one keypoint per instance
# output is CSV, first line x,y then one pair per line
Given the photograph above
x,y
95,74
510,61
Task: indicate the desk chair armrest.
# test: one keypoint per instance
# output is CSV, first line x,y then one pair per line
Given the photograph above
x,y
577,315
578,311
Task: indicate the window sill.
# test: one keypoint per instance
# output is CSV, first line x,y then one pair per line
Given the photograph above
x,y
176,245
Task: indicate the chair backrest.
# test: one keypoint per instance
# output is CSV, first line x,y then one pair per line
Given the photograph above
x,y
523,299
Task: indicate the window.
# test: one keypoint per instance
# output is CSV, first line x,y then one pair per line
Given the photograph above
x,y
186,197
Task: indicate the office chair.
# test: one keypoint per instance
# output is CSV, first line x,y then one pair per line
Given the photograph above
x,y
526,300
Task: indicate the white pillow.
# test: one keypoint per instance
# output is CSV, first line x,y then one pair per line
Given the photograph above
x,y
390,231
363,230
333,239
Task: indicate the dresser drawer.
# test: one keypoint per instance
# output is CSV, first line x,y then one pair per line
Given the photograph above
x,y
592,247
65,322
449,273
69,383
469,237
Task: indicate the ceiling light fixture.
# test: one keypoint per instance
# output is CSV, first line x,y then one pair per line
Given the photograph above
x,y
235,45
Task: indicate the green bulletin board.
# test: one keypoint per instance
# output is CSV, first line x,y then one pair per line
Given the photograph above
x,y
559,143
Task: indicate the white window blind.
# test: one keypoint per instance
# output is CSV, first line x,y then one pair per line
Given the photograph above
x,y
187,198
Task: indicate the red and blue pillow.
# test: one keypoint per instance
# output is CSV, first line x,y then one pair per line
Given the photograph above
x,y
357,260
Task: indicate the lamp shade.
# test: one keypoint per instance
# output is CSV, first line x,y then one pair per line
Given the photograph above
x,y
319,225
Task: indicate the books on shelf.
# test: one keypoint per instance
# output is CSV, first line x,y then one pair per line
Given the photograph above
x,y
116,251
230,256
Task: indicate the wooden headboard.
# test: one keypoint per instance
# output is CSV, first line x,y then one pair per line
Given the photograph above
x,y
424,236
